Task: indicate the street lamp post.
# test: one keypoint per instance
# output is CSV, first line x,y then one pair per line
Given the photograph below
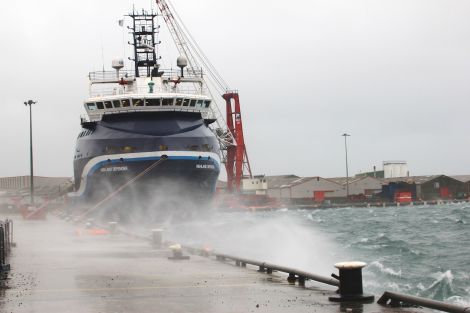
x,y
347,170
31,176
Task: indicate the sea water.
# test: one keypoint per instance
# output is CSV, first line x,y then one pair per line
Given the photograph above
x,y
417,250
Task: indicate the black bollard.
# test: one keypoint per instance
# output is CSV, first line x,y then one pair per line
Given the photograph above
x,y
350,280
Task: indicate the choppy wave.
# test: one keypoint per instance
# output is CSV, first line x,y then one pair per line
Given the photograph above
x,y
441,288
385,270
402,245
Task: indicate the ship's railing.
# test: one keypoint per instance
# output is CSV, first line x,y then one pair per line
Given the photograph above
x,y
114,90
167,74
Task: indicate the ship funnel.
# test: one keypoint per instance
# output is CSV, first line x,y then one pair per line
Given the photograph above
x,y
182,62
118,64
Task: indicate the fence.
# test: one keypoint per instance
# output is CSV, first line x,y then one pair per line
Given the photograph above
x,y
6,242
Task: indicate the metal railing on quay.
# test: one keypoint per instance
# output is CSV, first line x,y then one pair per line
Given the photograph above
x,y
294,274
398,299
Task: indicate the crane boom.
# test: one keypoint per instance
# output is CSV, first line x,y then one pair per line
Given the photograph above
x,y
230,133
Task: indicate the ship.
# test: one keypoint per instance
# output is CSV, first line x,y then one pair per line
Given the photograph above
x,y
146,136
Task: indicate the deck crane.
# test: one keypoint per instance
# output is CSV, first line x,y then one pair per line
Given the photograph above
x,y
230,131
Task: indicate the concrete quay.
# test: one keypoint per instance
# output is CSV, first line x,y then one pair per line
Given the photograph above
x,y
58,267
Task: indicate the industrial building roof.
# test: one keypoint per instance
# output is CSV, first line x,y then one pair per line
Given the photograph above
x,y
342,180
280,180
418,180
293,180
462,178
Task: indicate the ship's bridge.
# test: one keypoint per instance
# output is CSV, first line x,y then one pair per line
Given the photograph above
x,y
121,92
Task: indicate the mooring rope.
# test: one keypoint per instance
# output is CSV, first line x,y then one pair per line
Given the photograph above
x,y
114,193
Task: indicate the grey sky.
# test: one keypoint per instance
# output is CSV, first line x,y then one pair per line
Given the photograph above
x,y
394,74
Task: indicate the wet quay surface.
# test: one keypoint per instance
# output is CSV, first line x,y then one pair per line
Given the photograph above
x,y
57,267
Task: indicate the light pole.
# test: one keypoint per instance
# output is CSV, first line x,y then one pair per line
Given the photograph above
x,y
347,170
31,176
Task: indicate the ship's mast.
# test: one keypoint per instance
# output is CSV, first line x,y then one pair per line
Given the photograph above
x,y
144,43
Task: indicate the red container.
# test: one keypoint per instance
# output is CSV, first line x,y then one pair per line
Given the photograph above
x,y
403,197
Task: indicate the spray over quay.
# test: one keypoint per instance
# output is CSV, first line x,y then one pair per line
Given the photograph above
x,y
165,212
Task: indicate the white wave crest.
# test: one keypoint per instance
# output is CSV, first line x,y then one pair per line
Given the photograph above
x,y
384,269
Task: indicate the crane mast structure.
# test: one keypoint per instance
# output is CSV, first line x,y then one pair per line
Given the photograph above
x,y
230,131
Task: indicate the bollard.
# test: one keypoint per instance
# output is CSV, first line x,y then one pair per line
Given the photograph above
x,y
177,253
350,279
291,278
157,237
112,227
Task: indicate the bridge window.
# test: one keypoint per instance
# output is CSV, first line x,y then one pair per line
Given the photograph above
x,y
125,103
108,105
138,102
91,106
193,103
207,103
100,105
152,102
116,103
179,101
199,103
186,102
167,101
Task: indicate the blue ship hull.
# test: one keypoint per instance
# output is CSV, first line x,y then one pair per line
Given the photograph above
x,y
120,153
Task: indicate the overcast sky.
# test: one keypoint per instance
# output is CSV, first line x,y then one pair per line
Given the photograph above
x,y
393,74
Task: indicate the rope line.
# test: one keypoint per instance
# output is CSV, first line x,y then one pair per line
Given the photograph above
x,y
114,193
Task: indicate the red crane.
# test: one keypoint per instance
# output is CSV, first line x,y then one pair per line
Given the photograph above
x,y
237,162
229,133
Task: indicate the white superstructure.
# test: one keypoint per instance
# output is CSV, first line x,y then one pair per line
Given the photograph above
x,y
169,90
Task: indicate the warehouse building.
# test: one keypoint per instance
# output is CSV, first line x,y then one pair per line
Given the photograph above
x,y
434,187
360,188
303,190
465,179
20,182
19,186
